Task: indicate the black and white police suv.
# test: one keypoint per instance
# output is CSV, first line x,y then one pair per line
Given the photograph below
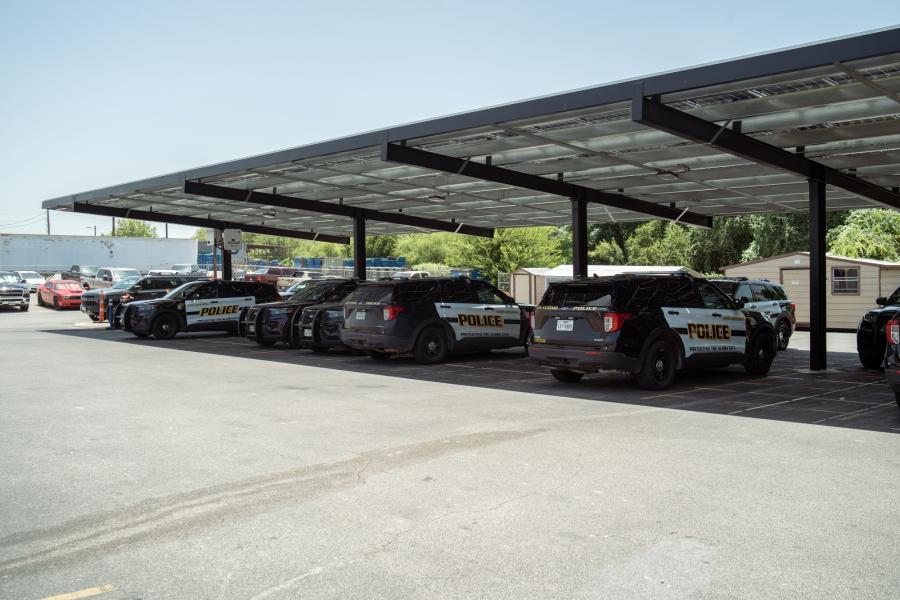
x,y
649,325
767,298
196,306
870,333
431,317
892,355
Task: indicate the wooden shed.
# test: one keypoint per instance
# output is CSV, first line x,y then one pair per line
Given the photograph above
x,y
527,284
852,284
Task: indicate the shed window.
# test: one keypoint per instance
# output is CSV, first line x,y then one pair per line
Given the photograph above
x,y
845,281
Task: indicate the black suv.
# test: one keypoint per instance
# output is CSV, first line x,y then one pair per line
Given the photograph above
x,y
195,306
767,298
319,327
277,321
431,317
648,325
892,356
870,334
128,290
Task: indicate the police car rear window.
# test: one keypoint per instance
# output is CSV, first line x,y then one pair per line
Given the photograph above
x,y
371,293
601,294
729,287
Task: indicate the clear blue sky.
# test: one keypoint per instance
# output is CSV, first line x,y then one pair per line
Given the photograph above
x,y
98,93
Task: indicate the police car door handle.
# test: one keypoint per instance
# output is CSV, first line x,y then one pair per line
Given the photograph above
x,y
717,314
488,308
674,312
445,306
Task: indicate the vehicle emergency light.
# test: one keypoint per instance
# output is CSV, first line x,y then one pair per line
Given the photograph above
x,y
389,313
612,322
893,331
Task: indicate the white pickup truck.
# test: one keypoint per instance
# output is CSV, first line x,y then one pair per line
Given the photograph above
x,y
107,276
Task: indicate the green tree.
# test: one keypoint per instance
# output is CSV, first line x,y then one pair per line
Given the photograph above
x,y
723,244
507,251
873,233
781,234
607,253
425,247
660,243
134,228
380,246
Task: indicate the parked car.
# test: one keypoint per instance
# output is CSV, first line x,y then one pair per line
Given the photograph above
x,y
195,306
107,276
870,334
767,298
271,274
181,269
410,275
90,299
430,318
892,355
60,293
648,325
31,278
79,273
277,321
319,327
13,292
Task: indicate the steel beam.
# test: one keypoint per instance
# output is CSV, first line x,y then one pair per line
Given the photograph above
x,y
226,265
659,116
469,168
329,208
817,276
143,215
579,238
359,246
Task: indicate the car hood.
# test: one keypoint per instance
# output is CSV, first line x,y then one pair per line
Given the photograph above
x,y
9,287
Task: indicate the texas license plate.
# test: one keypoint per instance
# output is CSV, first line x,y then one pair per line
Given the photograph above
x,y
566,325
251,328
360,315
307,333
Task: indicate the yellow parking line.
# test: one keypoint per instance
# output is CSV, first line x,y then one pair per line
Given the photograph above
x,y
85,593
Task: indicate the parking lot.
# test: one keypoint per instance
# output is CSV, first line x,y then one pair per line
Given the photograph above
x,y
210,467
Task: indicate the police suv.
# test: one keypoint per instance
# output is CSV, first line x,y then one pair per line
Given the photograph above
x,y
870,334
649,325
767,298
892,355
196,306
431,317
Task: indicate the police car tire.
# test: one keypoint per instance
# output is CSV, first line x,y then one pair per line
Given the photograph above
x,y
431,346
566,376
658,370
761,355
159,329
897,398
870,361
291,332
24,307
783,330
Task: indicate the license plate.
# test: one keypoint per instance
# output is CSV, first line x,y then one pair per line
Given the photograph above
x,y
566,325
251,328
307,333
360,315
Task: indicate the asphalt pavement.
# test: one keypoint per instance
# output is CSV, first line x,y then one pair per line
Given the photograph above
x,y
137,469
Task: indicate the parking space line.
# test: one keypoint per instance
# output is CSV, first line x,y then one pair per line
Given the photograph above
x,y
856,412
85,593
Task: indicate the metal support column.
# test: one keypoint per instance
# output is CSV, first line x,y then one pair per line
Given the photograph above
x,y
817,320
226,265
579,238
359,247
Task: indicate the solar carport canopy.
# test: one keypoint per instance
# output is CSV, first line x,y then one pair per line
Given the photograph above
x,y
742,136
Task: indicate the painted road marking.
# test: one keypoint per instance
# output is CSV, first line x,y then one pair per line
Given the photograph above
x,y
85,593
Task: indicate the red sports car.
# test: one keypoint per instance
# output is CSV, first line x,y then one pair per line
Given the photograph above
x,y
60,293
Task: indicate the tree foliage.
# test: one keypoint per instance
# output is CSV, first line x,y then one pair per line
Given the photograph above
x,y
134,228
508,250
425,247
871,233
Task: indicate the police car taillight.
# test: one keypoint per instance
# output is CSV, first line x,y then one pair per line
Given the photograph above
x,y
389,313
612,322
531,319
893,332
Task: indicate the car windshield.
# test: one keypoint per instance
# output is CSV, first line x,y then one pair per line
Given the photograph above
x,y
125,283
68,285
894,299
30,275
315,291
182,267
91,271
259,272
183,290
8,277
377,293
120,273
300,285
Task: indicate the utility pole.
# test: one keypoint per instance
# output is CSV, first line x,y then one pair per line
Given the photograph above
x,y
167,231
48,221
114,227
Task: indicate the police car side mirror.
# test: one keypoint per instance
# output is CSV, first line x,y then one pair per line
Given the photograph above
x,y
742,301
881,301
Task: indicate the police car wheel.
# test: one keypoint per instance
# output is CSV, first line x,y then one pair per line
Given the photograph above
x,y
760,356
897,398
658,370
870,361
23,307
164,327
566,376
431,347
784,334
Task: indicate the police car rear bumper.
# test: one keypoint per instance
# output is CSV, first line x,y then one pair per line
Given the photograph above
x,y
375,341
582,359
